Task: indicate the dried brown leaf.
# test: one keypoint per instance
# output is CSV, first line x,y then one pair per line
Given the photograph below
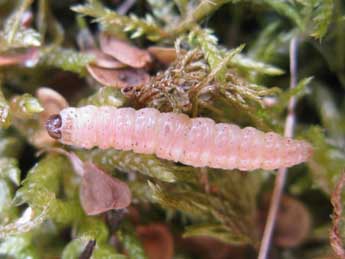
x,y
103,60
119,78
335,236
293,222
100,192
52,102
125,52
157,240
163,54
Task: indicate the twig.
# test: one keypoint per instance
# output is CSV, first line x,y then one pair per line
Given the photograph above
x,y
280,179
334,235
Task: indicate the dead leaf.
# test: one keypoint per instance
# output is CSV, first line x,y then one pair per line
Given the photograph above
x,y
52,102
335,234
163,54
100,192
157,240
293,222
103,60
125,52
119,78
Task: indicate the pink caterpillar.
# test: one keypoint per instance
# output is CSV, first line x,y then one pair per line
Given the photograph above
x,y
197,142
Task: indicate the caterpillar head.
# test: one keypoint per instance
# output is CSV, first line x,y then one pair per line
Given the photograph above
x,y
53,126
72,122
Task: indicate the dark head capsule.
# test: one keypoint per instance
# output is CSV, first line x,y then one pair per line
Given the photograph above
x,y
53,125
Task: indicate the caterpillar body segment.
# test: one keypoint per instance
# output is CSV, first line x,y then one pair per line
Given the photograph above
x,y
198,142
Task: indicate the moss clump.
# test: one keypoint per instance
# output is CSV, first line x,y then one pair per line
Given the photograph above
x,y
226,60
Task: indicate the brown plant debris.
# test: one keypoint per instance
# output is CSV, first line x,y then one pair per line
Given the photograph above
x,y
125,52
100,192
170,90
104,61
119,78
157,240
164,55
335,236
293,222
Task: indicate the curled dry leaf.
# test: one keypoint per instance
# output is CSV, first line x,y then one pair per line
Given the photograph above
x,y
125,52
29,58
335,234
157,240
103,60
52,103
163,54
51,100
293,222
100,192
120,78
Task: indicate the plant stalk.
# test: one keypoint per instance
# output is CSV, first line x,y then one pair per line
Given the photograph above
x,y
282,172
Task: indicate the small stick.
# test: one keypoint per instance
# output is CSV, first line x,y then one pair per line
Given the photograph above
x,y
282,172
335,233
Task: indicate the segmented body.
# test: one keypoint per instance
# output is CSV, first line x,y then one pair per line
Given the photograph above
x,y
198,142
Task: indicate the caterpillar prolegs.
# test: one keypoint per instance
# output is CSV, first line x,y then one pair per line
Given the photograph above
x,y
198,142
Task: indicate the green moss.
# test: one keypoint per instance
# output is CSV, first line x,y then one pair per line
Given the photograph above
x,y
232,65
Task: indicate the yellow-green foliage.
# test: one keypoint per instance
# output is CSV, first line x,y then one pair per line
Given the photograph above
x,y
232,65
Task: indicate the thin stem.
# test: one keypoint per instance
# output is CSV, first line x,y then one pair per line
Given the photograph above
x,y
282,172
25,4
125,6
335,234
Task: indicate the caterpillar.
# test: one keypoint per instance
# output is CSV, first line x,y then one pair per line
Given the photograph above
x,y
198,142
